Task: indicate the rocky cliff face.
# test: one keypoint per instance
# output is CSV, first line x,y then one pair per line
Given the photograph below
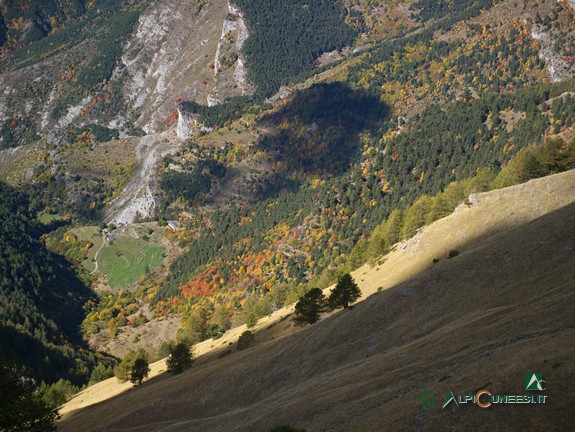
x,y
228,66
557,67
177,49
171,56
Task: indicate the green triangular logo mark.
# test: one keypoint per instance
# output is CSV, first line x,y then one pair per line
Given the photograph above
x,y
533,381
450,397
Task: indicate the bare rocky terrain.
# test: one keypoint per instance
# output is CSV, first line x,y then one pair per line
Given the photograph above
x,y
177,50
172,53
137,199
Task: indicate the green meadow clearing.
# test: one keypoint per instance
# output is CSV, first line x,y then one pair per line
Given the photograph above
x,y
46,218
127,257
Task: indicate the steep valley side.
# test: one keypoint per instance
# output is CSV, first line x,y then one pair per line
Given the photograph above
x,y
498,310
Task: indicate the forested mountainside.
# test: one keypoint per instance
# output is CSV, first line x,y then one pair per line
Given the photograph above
x,y
42,300
22,22
287,37
142,58
214,160
320,180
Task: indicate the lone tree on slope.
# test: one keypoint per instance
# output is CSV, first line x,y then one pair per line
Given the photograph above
x,y
180,359
123,371
309,307
345,292
140,371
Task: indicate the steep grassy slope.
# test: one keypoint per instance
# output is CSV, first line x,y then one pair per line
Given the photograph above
x,y
502,308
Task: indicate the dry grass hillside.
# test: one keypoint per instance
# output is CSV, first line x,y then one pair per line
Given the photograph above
x,y
501,308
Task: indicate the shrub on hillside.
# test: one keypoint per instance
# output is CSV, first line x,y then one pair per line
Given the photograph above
x,y
251,320
453,253
246,340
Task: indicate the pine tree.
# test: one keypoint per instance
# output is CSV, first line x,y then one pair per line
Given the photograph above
x,y
180,359
123,371
140,371
345,292
532,168
309,307
246,340
415,216
392,230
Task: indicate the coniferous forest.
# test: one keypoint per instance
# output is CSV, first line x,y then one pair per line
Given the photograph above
x,y
41,299
288,35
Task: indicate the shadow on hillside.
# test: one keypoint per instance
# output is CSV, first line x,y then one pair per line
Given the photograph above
x,y
56,348
432,330
317,130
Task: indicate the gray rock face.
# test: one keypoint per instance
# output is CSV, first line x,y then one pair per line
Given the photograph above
x,y
176,50
187,124
173,54
557,67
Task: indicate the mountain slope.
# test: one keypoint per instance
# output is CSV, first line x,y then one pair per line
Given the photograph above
x,y
41,299
483,319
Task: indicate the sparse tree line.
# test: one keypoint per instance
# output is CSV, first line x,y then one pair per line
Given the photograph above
x,y
312,304
554,156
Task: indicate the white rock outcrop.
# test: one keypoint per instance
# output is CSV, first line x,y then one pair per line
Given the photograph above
x,y
187,124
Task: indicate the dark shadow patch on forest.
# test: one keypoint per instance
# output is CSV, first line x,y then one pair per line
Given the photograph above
x,y
42,299
317,130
